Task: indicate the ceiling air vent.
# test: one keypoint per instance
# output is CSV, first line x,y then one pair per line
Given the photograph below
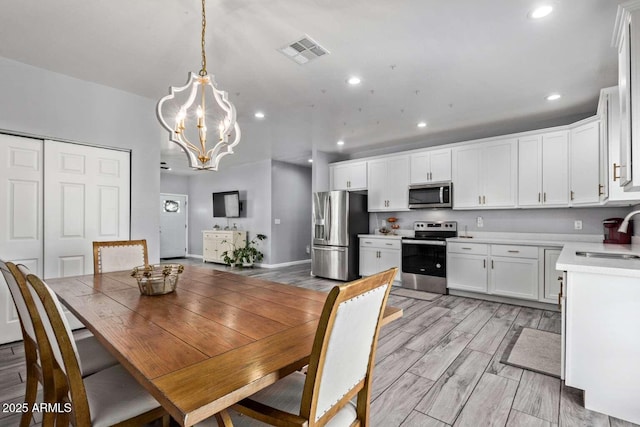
x,y
303,50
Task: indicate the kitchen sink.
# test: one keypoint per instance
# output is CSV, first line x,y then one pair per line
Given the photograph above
x,y
607,255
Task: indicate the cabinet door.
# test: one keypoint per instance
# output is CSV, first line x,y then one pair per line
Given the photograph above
x,y
397,179
377,190
389,258
551,276
624,82
440,165
585,164
466,177
499,174
514,277
368,261
555,169
358,176
339,177
420,168
530,171
467,272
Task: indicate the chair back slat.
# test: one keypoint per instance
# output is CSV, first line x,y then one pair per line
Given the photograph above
x,y
119,255
343,352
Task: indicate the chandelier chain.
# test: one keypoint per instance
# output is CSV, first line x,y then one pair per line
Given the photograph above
x,y
203,71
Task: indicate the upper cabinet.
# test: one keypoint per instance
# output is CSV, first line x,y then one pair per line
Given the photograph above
x,y
586,187
389,184
484,175
348,176
627,38
543,170
431,166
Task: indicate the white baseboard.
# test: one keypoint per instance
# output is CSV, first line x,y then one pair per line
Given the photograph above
x,y
284,264
194,256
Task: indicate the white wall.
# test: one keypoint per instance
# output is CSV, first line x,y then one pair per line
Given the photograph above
x,y
253,180
46,104
174,184
291,204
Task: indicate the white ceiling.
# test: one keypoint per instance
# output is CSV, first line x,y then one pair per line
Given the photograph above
x,y
469,68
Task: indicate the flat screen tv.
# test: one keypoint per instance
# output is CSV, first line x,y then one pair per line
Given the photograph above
x,y
226,204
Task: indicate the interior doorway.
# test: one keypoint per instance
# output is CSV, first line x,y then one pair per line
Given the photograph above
x,y
173,225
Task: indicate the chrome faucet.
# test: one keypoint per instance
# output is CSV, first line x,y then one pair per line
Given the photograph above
x,y
625,222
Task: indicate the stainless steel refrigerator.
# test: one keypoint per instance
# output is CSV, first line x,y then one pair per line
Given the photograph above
x,y
338,218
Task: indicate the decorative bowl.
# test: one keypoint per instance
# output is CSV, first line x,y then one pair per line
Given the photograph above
x,y
392,219
157,279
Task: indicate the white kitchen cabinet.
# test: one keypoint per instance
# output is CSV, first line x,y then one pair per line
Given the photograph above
x,y
543,170
215,243
609,113
467,267
551,277
431,166
348,176
388,180
484,175
585,164
379,254
514,271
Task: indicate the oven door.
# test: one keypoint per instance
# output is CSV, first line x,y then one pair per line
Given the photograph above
x,y
424,257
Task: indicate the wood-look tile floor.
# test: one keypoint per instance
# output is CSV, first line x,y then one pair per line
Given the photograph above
x,y
437,366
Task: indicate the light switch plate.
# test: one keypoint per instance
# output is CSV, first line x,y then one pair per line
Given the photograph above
x,y
479,222
276,221
577,224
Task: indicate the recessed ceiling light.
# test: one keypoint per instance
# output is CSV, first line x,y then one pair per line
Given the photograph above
x,y
259,115
422,125
354,80
310,160
553,97
541,11
341,142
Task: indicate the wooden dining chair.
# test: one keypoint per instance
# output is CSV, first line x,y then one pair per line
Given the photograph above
x,y
119,255
110,397
340,366
93,355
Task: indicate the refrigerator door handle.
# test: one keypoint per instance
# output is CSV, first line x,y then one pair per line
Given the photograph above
x,y
316,248
328,219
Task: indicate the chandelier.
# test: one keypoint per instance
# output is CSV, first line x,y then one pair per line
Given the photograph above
x,y
194,105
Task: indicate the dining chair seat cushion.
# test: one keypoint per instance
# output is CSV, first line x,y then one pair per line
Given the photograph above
x,y
93,355
286,395
115,396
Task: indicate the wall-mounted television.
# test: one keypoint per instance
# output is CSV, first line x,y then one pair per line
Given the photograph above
x,y
226,204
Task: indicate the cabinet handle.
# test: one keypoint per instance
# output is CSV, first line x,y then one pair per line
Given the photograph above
x,y
467,249
492,264
572,195
513,252
544,197
539,197
348,184
389,244
615,168
430,176
600,190
560,295
484,263
484,202
479,200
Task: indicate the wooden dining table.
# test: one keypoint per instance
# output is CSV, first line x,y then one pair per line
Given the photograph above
x,y
217,339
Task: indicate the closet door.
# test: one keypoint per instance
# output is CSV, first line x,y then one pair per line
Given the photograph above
x,y
86,198
20,218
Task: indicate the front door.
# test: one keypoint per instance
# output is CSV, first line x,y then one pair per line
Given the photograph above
x,y
173,225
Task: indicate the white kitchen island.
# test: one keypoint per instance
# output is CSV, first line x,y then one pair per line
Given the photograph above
x,y
602,327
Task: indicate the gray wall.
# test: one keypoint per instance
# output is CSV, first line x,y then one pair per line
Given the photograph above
x,y
174,184
46,104
291,204
253,180
513,220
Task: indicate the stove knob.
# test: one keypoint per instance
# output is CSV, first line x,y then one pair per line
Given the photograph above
x,y
438,265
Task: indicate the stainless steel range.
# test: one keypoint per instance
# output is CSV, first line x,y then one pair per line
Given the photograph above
x,y
424,257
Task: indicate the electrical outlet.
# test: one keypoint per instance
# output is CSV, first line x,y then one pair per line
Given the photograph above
x,y
479,222
577,224
276,221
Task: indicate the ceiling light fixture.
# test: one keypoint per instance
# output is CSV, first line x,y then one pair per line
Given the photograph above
x,y
553,97
422,125
354,80
541,11
310,160
341,142
259,115
191,117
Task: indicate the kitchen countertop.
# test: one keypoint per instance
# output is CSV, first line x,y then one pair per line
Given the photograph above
x,y
571,262
381,236
527,239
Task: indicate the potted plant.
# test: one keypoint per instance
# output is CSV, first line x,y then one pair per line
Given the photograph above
x,y
245,255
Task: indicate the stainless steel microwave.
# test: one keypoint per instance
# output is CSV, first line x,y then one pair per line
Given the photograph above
x,y
430,195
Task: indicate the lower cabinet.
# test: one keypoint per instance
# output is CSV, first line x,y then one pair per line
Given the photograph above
x,y
552,277
215,243
379,254
504,270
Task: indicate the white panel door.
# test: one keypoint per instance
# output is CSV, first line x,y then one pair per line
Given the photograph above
x,y
500,161
20,218
86,198
466,176
173,225
440,165
585,164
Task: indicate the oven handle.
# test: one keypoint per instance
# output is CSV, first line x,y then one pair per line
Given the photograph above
x,y
424,242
